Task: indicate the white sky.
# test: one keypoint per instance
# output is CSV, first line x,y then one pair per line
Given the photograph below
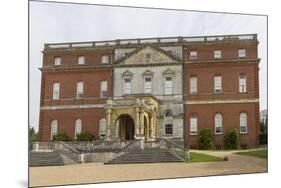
x,y
56,22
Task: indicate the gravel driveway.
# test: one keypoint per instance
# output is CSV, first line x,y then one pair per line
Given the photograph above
x,y
98,172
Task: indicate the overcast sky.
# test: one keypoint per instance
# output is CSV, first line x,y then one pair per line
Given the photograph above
x,y
57,22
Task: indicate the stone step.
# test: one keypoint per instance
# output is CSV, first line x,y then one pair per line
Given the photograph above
x,y
48,159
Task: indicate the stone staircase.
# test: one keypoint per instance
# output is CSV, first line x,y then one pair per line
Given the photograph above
x,y
148,155
52,158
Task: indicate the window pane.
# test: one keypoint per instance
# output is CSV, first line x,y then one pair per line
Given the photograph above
x,y
57,60
147,85
242,84
103,88
104,59
241,53
168,129
80,88
193,125
217,84
168,87
56,91
217,54
81,60
193,85
193,54
127,86
218,123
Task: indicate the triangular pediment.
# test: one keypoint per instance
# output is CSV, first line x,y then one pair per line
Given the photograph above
x,y
148,55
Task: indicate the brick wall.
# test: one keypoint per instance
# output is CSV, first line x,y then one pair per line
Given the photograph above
x,y
230,119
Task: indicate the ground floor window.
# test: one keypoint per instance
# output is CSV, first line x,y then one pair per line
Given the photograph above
x,y
168,129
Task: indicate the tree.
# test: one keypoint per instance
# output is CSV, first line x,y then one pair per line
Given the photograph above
x,y
205,141
32,135
231,139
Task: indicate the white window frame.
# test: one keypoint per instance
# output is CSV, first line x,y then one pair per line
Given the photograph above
x,y
57,60
54,128
193,125
193,54
168,85
56,91
79,89
218,123
147,84
78,127
242,83
242,52
127,86
102,127
243,123
81,60
103,89
193,85
218,84
104,59
217,54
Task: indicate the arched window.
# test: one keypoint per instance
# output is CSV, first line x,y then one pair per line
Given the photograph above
x,y
54,128
102,127
78,127
218,123
243,122
168,122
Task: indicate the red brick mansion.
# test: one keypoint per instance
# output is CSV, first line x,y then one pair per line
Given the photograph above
x,y
149,88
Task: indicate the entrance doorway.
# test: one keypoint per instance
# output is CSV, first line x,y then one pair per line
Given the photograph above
x,y
126,127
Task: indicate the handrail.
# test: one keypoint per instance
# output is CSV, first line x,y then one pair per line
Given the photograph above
x,y
175,149
131,146
66,150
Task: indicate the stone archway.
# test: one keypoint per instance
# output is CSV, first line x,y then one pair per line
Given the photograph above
x,y
126,127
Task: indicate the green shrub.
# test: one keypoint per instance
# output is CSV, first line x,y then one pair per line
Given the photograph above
x,y
231,139
85,136
61,137
205,141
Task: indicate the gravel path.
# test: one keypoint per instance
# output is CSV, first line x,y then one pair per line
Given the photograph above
x,y
98,172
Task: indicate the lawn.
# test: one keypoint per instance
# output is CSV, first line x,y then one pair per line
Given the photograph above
x,y
200,157
255,153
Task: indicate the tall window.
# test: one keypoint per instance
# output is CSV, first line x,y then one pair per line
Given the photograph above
x,y
54,128
102,127
168,120
193,124
78,127
168,87
147,85
241,53
81,60
217,84
56,91
218,123
242,84
243,123
217,54
127,88
104,59
193,85
57,61
103,86
80,90
193,55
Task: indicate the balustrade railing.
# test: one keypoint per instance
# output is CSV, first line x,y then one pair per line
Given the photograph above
x,y
175,149
66,150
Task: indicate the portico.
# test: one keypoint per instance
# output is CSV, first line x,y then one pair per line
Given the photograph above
x,y
132,117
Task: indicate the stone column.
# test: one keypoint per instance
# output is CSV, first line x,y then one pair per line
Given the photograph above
x,y
141,123
137,123
108,124
151,127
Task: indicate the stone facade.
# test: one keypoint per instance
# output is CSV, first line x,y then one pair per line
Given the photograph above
x,y
147,92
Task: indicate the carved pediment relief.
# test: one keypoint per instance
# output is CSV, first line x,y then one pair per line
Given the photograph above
x,y
146,55
127,73
148,73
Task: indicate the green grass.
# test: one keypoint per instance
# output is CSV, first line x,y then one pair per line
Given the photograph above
x,y
255,153
200,157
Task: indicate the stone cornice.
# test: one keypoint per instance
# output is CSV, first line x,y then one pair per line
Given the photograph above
x,y
243,61
73,67
146,64
221,101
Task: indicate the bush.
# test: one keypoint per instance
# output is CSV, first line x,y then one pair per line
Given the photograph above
x,y
231,139
86,136
205,139
61,137
263,139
